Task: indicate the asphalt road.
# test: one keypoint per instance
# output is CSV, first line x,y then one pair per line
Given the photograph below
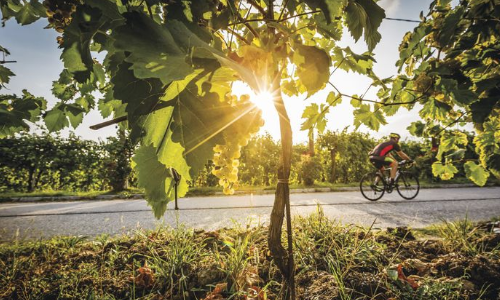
x,y
89,218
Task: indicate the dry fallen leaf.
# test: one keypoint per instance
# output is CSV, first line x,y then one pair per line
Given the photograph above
x,y
402,277
216,294
145,278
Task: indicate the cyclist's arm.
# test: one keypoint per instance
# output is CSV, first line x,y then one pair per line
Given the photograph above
x,y
403,155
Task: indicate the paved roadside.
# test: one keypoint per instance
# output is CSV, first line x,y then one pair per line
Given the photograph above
x,y
259,192
89,218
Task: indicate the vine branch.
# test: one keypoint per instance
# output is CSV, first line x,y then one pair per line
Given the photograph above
x,y
239,36
257,6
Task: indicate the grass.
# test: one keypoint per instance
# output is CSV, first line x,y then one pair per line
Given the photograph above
x,y
333,261
84,195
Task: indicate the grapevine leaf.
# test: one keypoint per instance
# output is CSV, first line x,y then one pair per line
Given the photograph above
x,y
444,171
30,12
330,8
449,26
5,75
177,86
476,173
333,100
373,120
315,117
451,141
170,154
347,60
312,67
152,55
416,129
482,109
74,113
56,119
63,91
108,104
435,110
140,95
355,102
15,111
364,15
152,176
332,30
76,41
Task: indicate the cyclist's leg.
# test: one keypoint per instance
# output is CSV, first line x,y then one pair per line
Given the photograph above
x,y
394,167
378,163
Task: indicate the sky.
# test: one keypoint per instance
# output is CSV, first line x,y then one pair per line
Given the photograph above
x,y
38,64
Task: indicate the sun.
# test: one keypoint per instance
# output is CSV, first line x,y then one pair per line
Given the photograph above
x,y
263,99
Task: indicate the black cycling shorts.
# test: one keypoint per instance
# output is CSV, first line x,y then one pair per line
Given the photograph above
x,y
381,161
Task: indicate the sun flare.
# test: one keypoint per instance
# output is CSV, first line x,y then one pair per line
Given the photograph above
x,y
264,100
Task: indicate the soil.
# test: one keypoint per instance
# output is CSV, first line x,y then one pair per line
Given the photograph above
x,y
407,268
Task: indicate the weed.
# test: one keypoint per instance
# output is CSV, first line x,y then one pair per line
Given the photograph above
x,y
460,236
172,254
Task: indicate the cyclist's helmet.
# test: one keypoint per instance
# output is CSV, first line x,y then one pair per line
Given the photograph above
x,y
394,135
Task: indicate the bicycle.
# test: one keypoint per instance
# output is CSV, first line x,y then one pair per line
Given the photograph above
x,y
374,185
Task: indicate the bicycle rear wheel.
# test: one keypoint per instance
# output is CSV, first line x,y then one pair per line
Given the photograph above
x,y
372,186
408,186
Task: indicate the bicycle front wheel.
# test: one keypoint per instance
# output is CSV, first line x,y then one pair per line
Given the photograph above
x,y
408,186
372,186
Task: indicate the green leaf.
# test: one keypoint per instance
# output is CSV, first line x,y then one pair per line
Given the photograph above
x,y
447,31
5,75
313,67
476,173
333,100
451,141
140,95
154,177
63,91
330,8
76,41
315,117
416,129
74,113
444,171
163,52
435,110
364,15
347,60
355,102
171,154
16,111
177,86
30,12
373,120
482,109
331,30
56,120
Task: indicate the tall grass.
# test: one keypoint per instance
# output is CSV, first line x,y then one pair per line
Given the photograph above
x,y
461,236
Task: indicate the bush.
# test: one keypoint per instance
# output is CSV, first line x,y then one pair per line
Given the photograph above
x,y
310,169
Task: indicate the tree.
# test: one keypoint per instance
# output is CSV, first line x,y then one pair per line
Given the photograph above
x,y
450,65
168,72
347,154
258,162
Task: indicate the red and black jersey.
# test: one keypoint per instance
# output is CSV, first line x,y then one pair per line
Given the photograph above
x,y
384,148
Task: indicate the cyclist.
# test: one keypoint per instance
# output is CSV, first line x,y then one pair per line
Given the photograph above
x,y
380,156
